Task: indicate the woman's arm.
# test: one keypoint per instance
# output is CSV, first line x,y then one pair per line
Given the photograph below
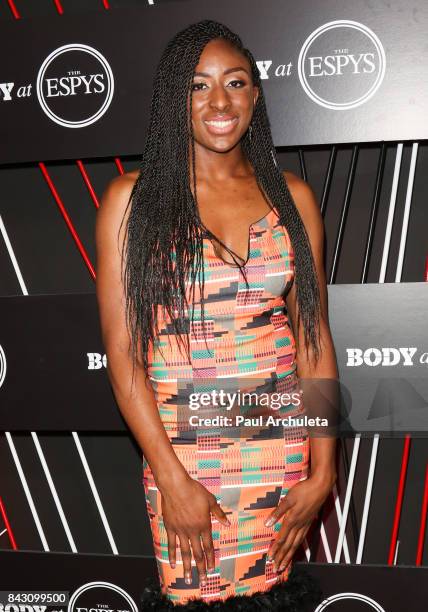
x,y
302,503
138,407
323,465
186,504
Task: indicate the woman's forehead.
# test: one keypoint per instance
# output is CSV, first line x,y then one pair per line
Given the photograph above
x,y
220,51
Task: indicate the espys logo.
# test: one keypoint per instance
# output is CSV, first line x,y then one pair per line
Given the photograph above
x,y
2,366
99,597
341,64
75,85
373,605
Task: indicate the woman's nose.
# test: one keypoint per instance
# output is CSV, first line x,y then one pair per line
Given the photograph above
x,y
219,98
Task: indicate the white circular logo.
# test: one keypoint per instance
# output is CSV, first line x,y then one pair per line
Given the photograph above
x,y
355,596
102,594
2,366
75,85
341,64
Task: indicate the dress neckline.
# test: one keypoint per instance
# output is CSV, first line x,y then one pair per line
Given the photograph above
x,y
253,224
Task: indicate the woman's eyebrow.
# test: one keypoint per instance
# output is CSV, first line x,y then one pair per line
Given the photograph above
x,y
228,71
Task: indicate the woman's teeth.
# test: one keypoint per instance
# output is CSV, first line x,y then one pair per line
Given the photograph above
x,y
220,124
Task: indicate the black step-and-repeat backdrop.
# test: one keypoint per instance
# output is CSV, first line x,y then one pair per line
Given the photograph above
x,y
333,72
60,382
78,86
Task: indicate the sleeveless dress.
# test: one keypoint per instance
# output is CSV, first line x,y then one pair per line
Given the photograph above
x,y
248,339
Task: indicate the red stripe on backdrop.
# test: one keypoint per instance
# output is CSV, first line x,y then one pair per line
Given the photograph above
x,y
88,182
424,513
399,502
7,524
58,7
67,219
13,9
119,165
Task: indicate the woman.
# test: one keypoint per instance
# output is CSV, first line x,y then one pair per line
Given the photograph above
x,y
205,256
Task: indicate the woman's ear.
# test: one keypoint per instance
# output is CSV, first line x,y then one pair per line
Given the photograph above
x,y
255,94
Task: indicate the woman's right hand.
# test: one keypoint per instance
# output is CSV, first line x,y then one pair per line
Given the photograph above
x,y
186,509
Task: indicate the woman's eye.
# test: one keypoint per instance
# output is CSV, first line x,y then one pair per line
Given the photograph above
x,y
237,82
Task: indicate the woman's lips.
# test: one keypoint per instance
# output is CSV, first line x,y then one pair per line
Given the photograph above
x,y
221,126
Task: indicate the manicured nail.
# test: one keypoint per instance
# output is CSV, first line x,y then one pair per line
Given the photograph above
x,y
269,522
188,579
281,569
210,570
203,581
172,565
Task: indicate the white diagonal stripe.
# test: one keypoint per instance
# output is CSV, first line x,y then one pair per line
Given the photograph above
x,y
391,210
349,486
53,491
27,492
406,215
367,499
12,257
95,493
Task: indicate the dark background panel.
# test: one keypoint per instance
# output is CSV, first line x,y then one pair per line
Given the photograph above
x,y
51,264
296,115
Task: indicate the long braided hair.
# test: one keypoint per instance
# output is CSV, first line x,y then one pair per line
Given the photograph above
x,y
164,233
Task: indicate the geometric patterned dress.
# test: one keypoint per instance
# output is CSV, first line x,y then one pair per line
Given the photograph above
x,y
248,339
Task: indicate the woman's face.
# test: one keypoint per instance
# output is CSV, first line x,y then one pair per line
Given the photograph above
x,y
223,97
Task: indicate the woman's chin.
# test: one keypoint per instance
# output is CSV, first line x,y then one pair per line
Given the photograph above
x,y
220,144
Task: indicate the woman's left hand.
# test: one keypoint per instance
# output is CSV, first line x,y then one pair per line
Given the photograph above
x,y
299,508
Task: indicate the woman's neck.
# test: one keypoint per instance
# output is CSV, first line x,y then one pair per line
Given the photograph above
x,y
219,167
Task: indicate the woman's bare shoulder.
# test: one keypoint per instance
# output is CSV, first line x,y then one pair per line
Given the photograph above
x,y
302,193
118,190
306,202
296,184
114,210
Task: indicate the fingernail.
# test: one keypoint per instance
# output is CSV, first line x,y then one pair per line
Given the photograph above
x,y
172,565
269,522
203,581
210,570
188,579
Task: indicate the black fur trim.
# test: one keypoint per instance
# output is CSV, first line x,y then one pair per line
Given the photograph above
x,y
296,594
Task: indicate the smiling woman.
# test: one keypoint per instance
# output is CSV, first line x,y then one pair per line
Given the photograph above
x,y
222,257
210,85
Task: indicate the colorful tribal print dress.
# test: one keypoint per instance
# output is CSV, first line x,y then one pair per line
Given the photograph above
x,y
248,338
